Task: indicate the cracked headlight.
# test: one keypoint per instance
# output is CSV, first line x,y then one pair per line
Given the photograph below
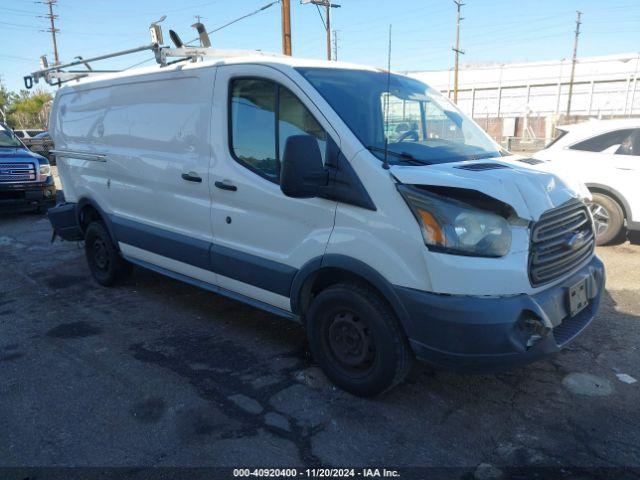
x,y
452,226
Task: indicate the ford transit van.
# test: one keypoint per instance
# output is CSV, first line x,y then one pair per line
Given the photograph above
x,y
275,181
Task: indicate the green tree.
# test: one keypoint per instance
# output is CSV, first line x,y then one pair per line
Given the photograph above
x,y
30,109
5,101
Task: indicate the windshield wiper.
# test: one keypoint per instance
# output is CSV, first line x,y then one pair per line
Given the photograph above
x,y
407,157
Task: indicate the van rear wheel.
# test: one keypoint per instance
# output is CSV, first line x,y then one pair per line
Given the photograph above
x,y
105,262
357,340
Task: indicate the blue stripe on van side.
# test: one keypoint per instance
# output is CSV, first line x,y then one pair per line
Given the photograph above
x,y
162,242
213,288
257,271
266,274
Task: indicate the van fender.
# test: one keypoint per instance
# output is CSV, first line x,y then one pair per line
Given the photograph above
x,y
355,267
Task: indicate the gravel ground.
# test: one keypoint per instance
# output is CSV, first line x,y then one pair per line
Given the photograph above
x,y
159,373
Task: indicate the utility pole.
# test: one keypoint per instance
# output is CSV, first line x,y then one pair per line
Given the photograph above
x,y
53,30
326,20
199,20
335,45
574,60
328,27
286,27
457,50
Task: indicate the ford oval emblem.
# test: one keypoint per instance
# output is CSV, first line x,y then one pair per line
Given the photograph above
x,y
574,241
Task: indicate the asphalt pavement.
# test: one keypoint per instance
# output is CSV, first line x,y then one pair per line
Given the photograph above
x,y
156,373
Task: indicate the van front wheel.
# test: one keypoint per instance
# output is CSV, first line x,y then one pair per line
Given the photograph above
x,y
105,262
357,340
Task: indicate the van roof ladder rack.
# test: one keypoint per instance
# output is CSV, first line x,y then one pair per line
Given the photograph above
x,y
59,74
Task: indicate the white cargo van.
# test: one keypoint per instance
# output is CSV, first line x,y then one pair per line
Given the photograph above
x,y
270,180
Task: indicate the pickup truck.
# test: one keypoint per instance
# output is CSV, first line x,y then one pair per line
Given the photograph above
x,y
25,177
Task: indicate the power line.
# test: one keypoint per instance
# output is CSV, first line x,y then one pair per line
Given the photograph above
x,y
17,10
324,24
250,14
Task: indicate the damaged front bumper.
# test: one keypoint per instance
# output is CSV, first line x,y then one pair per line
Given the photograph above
x,y
490,333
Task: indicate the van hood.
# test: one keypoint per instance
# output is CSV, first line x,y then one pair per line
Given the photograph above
x,y
530,192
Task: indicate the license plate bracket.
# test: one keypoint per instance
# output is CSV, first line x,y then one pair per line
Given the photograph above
x,y
578,299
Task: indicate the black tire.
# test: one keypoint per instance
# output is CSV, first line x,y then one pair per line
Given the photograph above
x,y
357,340
608,218
105,262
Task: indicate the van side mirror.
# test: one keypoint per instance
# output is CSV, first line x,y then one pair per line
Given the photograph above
x,y
302,173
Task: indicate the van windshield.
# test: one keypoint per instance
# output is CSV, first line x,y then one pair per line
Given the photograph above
x,y
421,125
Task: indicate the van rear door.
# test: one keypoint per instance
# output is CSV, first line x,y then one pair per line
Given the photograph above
x,y
262,237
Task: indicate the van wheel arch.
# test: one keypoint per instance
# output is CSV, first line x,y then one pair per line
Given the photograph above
x,y
324,278
87,214
88,211
319,274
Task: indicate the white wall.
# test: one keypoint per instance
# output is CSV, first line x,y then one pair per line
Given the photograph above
x,y
603,86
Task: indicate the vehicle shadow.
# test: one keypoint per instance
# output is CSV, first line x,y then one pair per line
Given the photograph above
x,y
634,237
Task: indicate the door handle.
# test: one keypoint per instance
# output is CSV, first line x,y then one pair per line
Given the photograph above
x,y
226,186
192,177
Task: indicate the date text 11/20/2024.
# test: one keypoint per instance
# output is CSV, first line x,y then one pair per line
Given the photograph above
x,y
316,472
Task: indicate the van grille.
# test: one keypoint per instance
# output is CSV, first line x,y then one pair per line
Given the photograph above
x,y
560,240
17,172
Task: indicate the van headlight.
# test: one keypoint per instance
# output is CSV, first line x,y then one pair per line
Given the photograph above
x,y
45,170
452,226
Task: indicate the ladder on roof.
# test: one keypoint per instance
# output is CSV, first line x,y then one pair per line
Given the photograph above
x,y
59,74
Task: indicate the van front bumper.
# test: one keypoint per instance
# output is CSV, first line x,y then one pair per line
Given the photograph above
x,y
485,334
21,196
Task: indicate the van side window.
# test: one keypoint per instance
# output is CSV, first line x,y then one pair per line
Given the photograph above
x,y
253,125
295,119
263,116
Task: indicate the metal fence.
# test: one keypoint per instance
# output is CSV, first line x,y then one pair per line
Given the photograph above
x,y
41,147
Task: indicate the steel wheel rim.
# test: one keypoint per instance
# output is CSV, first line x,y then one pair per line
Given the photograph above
x,y
601,218
349,342
100,254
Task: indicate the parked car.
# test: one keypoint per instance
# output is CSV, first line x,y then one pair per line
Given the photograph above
x,y
27,133
25,177
269,180
42,136
605,155
41,144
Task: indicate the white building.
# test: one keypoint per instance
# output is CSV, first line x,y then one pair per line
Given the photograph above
x,y
530,97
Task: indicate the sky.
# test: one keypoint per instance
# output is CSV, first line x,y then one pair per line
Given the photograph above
x,y
423,31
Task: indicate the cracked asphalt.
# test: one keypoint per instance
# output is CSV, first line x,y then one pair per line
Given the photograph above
x,y
159,373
